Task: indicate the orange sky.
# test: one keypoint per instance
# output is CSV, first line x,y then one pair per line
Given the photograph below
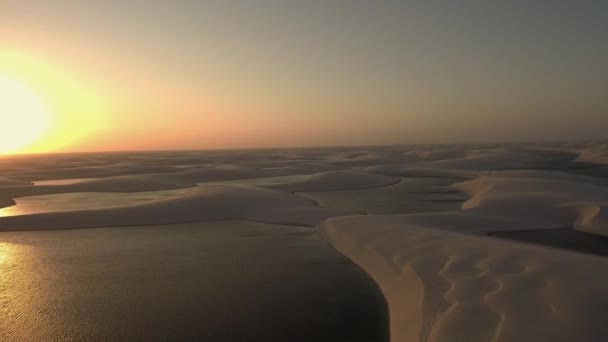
x,y
123,76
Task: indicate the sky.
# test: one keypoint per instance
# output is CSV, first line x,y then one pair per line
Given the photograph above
x,y
158,75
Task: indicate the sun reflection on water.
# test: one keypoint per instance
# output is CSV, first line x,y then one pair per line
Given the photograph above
x,y
20,300
7,253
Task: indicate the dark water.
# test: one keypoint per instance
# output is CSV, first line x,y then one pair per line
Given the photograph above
x,y
214,281
411,195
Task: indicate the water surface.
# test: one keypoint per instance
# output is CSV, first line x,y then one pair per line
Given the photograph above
x,y
214,281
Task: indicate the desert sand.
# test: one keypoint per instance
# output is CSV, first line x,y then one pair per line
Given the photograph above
x,y
498,266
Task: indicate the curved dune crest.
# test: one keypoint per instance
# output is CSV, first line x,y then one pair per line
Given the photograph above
x,y
337,180
500,159
93,171
593,218
474,288
393,170
547,175
225,173
443,277
436,154
135,183
438,172
597,154
130,184
204,203
551,199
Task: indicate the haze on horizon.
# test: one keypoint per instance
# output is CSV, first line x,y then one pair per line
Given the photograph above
x,y
149,75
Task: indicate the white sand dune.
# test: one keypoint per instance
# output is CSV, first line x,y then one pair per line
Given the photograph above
x,y
596,154
204,203
65,181
393,170
225,173
364,159
546,175
551,199
93,171
338,180
443,286
112,184
135,183
500,160
437,154
97,168
443,277
307,168
166,181
444,282
438,172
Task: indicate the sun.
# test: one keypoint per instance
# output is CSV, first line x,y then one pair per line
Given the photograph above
x,y
23,114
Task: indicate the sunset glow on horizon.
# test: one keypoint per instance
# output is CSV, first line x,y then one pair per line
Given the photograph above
x,y
202,75
43,109
27,115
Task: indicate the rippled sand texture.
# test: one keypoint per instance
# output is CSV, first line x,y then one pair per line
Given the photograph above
x,y
444,286
446,280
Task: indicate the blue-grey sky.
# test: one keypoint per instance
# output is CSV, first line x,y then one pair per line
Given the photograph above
x,y
284,73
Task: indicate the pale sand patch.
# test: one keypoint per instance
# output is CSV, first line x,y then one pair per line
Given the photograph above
x,y
134,183
83,201
474,288
265,181
66,181
544,198
482,289
596,154
500,159
441,285
204,203
64,171
411,195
